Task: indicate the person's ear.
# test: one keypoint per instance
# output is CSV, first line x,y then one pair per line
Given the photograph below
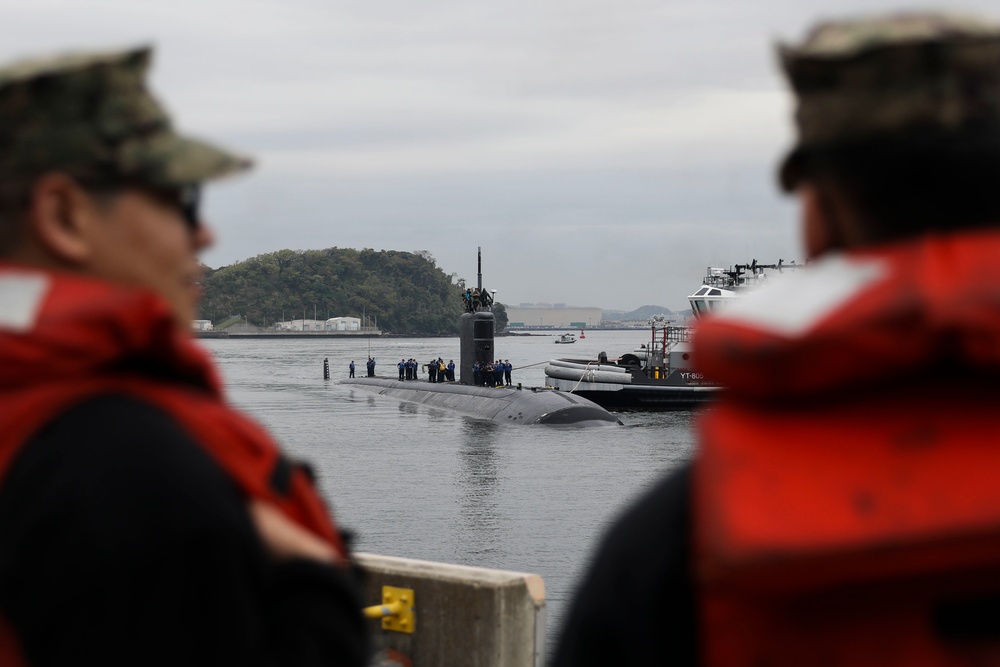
x,y
59,219
821,226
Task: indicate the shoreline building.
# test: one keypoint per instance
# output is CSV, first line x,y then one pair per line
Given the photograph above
x,y
557,317
332,324
343,324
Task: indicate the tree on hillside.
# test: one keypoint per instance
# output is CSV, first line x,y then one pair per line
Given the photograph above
x,y
405,292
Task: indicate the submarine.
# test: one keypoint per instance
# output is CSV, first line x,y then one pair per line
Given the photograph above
x,y
503,405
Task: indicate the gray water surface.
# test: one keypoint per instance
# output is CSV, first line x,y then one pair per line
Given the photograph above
x,y
418,482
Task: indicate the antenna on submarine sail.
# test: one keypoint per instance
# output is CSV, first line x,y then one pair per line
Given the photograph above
x,y
476,333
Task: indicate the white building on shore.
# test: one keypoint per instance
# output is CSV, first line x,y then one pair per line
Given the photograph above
x,y
332,324
343,324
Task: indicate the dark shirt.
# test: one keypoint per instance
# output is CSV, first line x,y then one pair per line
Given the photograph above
x,y
123,543
636,605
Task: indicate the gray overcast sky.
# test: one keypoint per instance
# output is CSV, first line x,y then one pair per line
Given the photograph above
x,y
602,152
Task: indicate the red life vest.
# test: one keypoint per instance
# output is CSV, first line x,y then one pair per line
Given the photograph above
x,y
865,533
847,487
65,339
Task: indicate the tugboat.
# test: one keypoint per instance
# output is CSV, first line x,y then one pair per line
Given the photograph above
x,y
658,375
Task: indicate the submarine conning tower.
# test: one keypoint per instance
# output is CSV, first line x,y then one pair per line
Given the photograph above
x,y
476,331
476,341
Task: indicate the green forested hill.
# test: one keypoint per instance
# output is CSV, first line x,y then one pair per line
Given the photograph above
x,y
406,292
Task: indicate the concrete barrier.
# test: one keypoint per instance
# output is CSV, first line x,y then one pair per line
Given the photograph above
x,y
464,616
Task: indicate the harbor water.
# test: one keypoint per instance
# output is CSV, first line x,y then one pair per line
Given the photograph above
x,y
418,482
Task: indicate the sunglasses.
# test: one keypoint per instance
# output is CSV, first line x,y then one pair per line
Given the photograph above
x,y
186,199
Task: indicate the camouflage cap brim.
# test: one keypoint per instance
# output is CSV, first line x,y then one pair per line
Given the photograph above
x,y
169,160
91,115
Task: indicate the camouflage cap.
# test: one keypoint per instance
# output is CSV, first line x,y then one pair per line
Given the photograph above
x,y
91,116
878,77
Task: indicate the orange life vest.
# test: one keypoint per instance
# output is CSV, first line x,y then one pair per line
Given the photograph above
x,y
847,488
65,339
861,535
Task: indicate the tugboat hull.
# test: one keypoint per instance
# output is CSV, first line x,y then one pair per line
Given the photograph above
x,y
637,396
628,385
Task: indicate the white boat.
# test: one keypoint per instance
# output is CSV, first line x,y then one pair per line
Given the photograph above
x,y
566,338
721,286
658,375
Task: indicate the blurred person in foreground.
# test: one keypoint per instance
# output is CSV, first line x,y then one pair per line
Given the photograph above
x,y
143,521
842,507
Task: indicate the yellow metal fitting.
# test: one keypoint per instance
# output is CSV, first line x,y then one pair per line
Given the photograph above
x,y
396,610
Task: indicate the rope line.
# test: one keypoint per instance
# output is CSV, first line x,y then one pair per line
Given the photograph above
x,y
582,375
547,361
517,368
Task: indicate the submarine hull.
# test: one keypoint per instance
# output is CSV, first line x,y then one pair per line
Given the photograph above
x,y
502,405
